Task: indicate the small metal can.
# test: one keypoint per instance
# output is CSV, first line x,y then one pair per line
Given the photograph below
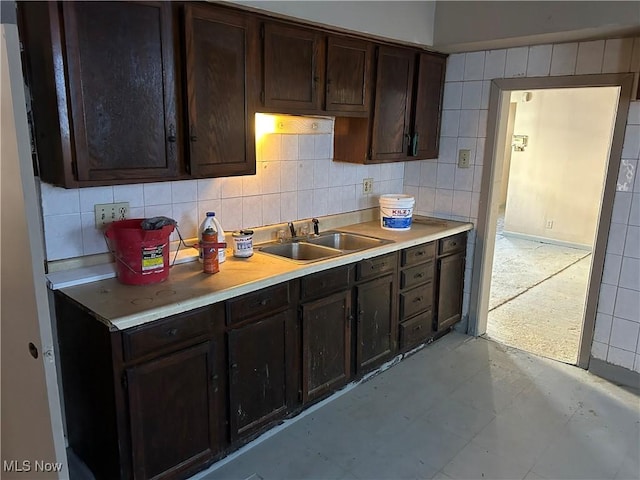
x,y
242,243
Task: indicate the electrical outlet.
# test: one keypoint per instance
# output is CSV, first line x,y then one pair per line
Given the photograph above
x,y
549,224
110,212
367,185
464,158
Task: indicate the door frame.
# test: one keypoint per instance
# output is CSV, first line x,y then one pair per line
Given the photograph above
x,y
492,178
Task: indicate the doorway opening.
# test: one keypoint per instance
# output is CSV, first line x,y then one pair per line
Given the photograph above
x,y
558,143
545,211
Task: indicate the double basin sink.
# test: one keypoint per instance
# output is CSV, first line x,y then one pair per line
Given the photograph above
x,y
325,245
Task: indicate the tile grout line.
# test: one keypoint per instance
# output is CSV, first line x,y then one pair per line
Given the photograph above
x,y
540,282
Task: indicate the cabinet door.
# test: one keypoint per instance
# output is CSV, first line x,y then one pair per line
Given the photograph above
x,y
376,322
391,115
326,345
348,75
221,52
257,374
450,289
173,413
293,69
427,106
122,89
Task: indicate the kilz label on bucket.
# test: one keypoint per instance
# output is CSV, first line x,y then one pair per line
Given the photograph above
x,y
152,259
395,222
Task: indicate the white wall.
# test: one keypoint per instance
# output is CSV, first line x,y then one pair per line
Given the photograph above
x,y
443,190
480,25
559,176
410,21
295,179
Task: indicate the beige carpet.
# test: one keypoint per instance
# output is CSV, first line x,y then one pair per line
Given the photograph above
x,y
537,297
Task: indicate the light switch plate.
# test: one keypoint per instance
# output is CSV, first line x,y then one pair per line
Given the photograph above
x,y
464,158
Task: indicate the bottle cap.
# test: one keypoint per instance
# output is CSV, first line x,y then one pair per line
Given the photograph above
x,y
211,214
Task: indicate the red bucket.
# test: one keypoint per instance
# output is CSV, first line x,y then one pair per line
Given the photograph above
x,y
142,256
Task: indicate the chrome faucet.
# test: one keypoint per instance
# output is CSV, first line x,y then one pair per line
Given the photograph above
x,y
316,226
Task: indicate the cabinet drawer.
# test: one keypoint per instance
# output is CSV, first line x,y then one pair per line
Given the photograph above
x,y
140,341
322,283
418,254
258,304
375,267
456,243
416,300
416,330
416,275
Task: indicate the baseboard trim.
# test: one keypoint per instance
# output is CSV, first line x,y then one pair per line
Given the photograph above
x,y
614,373
535,238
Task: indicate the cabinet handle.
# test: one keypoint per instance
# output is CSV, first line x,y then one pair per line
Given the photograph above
x,y
417,299
420,253
172,332
378,265
414,145
264,301
418,275
234,366
417,327
193,137
172,134
453,244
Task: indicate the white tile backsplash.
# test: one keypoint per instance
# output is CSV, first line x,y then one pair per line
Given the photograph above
x,y
539,62
627,304
617,55
93,240
446,175
455,67
184,191
474,66
59,201
209,189
469,123
563,59
624,334
471,95
134,194
516,65
602,330
494,64
452,96
89,197
450,123
590,56
251,211
271,209
63,238
157,193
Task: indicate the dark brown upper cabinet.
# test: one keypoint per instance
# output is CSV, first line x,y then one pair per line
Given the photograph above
x,y
221,83
427,111
112,114
306,71
293,68
407,107
391,129
348,85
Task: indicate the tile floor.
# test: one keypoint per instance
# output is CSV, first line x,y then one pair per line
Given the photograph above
x,y
462,408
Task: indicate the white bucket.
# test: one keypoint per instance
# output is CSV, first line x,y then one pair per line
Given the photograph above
x,y
396,211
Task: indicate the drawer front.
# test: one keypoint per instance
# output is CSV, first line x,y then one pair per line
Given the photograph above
x,y
258,304
322,283
375,267
416,275
416,300
140,341
416,330
419,254
456,243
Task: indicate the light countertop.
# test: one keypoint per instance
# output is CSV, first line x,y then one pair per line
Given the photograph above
x,y
122,306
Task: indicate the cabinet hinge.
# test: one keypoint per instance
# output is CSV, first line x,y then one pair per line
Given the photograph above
x,y
125,383
370,154
300,395
74,169
262,96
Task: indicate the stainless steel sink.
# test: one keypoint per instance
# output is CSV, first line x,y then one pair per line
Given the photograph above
x,y
326,245
346,241
300,251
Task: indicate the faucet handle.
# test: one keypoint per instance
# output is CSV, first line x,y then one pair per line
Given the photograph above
x,y
316,227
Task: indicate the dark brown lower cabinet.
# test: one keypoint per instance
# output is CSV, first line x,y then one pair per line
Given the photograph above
x,y
326,345
450,282
376,324
258,373
172,411
450,288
